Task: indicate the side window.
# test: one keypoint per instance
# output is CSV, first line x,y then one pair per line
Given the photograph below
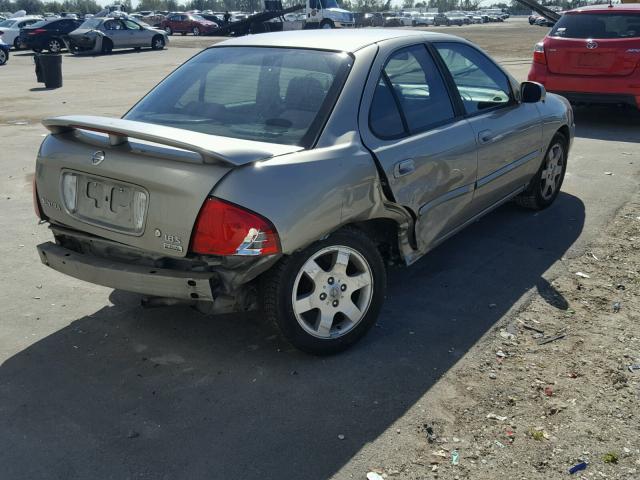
x,y
411,79
131,25
385,120
481,84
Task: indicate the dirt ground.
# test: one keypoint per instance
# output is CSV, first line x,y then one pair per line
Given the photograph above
x,y
553,385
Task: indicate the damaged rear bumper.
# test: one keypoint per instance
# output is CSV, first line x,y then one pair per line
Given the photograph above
x,y
157,282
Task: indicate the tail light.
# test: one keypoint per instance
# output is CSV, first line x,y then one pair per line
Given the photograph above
x,y
37,31
538,54
226,229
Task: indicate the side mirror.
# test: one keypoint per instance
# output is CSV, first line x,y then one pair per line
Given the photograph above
x,y
532,92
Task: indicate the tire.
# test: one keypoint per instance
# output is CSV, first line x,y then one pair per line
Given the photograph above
x,y
55,45
107,46
16,43
168,30
327,24
37,50
196,32
358,289
183,33
545,185
157,42
4,56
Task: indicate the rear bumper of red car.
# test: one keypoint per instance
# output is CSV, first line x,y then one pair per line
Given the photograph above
x,y
582,89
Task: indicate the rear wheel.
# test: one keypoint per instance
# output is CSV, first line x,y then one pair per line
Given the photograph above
x,y
326,297
17,44
169,30
196,31
54,45
157,43
4,56
546,184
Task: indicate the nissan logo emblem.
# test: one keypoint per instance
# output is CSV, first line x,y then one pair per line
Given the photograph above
x,y
97,158
591,44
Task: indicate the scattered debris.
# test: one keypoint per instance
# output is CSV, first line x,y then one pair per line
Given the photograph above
x,y
493,416
499,444
340,436
533,329
538,434
616,307
578,467
551,339
455,458
133,434
431,436
608,173
506,335
548,390
582,274
374,476
492,375
633,368
610,457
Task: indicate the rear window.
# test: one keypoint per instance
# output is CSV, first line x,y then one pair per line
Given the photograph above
x,y
40,24
91,23
277,95
597,25
7,23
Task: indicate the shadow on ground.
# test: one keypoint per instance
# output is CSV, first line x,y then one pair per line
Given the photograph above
x,y
612,123
170,394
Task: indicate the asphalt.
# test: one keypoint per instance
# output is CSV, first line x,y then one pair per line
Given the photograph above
x,y
94,386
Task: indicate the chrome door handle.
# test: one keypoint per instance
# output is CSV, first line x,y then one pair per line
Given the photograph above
x,y
485,136
405,167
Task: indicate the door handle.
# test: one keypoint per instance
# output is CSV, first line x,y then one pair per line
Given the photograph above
x,y
405,167
485,136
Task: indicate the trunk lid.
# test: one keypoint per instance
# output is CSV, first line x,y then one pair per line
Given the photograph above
x,y
135,183
592,57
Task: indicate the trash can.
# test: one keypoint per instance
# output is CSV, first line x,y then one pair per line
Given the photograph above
x,y
50,69
39,76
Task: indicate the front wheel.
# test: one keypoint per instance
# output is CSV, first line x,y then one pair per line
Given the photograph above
x,y
327,24
326,297
54,45
168,30
157,43
546,183
17,44
196,31
4,56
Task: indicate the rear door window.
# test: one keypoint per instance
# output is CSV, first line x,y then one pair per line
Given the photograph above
x,y
411,79
480,83
597,25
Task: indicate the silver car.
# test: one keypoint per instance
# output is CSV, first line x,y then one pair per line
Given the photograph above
x,y
284,171
102,35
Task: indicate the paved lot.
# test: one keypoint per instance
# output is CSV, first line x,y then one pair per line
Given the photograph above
x,y
93,386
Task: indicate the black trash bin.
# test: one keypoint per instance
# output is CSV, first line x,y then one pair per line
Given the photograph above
x,y
50,69
39,75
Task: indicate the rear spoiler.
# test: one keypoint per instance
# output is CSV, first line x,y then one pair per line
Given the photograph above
x,y
120,131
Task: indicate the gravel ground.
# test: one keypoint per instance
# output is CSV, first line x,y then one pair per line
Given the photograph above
x,y
549,387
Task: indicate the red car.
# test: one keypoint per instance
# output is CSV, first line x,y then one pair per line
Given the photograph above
x,y
592,55
187,23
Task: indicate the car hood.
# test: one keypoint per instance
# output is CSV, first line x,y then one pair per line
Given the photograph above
x,y
338,10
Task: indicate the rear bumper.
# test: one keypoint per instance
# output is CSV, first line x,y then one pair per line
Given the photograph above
x,y
581,89
157,282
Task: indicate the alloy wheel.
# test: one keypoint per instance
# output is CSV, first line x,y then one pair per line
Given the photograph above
x,y
3,57
196,31
551,174
54,46
332,292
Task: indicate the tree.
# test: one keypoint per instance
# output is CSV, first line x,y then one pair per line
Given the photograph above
x,y
407,4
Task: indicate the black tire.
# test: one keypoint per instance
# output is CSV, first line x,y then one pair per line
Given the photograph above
x,y
533,197
107,46
16,43
168,30
183,33
37,50
157,42
326,23
277,291
196,32
55,45
4,56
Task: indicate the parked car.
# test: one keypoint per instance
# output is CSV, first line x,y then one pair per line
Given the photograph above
x,y
428,18
544,22
457,19
373,20
532,18
104,34
591,55
4,52
184,23
285,170
441,19
10,29
48,34
391,19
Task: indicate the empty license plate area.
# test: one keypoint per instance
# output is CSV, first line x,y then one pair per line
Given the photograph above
x,y
104,202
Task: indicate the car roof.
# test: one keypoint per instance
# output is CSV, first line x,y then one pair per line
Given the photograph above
x,y
614,8
342,40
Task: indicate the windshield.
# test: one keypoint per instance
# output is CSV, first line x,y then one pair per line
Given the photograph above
x,y
277,95
329,4
198,18
597,25
7,23
91,23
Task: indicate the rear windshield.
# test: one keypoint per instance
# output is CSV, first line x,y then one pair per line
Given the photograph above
x,y
597,25
91,23
277,95
7,23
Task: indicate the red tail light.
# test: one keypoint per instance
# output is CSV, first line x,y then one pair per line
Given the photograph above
x,y
538,54
37,31
226,229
